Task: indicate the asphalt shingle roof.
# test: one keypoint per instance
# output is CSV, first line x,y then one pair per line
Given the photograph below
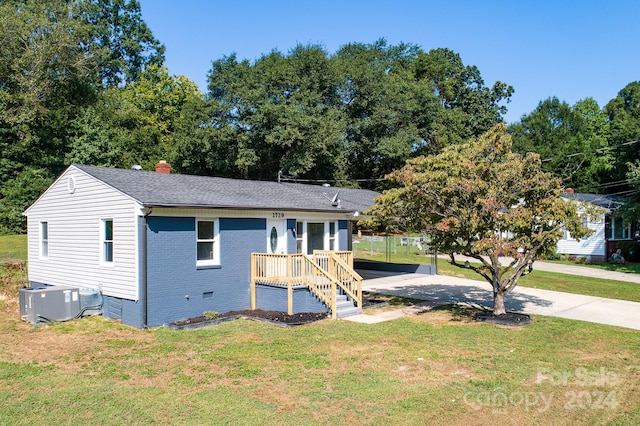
x,y
610,202
176,190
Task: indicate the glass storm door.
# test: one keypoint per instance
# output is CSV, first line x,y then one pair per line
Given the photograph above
x,y
315,237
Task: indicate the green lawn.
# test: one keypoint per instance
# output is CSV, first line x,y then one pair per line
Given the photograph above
x,y
633,268
439,367
537,279
13,248
436,368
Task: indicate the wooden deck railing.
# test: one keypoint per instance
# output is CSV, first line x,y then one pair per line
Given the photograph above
x,y
323,274
339,264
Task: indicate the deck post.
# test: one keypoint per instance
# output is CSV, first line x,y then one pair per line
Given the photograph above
x,y
290,285
253,281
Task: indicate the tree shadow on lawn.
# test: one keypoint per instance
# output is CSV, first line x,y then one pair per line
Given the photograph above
x,y
472,295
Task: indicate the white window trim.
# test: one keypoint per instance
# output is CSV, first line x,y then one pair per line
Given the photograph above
x,y
103,240
216,243
42,240
301,237
326,237
627,231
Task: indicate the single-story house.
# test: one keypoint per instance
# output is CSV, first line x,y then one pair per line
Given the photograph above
x,y
608,230
162,247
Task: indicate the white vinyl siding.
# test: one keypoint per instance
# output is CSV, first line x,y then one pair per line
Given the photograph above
x,y
75,235
593,245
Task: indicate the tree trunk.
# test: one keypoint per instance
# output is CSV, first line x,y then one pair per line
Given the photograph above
x,y
498,303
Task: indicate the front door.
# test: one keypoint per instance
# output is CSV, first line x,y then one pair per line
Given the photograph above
x,y
276,236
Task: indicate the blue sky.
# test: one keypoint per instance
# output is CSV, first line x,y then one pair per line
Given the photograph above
x,y
565,48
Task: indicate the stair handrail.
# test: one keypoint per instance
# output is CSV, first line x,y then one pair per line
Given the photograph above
x,y
331,298
348,279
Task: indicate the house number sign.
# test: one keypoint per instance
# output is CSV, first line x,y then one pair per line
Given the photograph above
x,y
277,215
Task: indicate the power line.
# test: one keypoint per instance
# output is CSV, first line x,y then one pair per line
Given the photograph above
x,y
575,154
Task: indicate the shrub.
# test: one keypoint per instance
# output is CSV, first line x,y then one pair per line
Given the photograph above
x,y
210,315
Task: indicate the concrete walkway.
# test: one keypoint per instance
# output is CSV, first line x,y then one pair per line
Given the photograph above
x,y
438,289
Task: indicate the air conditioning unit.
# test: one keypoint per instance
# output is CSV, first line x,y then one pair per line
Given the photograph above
x,y
49,304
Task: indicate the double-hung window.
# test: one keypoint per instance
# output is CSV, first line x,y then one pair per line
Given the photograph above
x,y
618,230
107,240
207,248
44,240
332,236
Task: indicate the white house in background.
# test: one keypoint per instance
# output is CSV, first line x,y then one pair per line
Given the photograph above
x,y
608,230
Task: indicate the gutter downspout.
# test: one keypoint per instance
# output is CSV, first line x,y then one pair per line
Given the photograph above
x,y
143,267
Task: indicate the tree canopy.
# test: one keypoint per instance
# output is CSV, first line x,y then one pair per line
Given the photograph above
x,y
83,81
352,116
482,200
572,141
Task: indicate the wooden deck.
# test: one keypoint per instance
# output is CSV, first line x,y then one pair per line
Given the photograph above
x,y
326,274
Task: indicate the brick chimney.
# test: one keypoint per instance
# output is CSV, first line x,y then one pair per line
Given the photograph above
x,y
163,167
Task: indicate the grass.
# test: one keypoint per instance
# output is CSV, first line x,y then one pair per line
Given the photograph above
x,y
435,368
438,367
538,279
13,248
630,268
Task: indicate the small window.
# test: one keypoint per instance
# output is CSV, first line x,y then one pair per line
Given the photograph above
x,y
332,236
44,240
206,242
618,230
299,237
107,240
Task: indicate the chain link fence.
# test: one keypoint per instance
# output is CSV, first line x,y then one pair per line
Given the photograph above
x,y
394,248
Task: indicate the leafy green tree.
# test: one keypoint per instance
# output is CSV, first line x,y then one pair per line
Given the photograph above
x,y
482,200
17,194
468,107
572,141
382,104
278,112
45,82
624,116
118,40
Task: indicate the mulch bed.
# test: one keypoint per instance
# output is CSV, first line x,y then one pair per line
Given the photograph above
x,y
508,319
273,317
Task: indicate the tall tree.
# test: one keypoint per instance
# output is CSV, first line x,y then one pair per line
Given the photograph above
x,y
45,81
382,105
485,201
279,112
468,107
572,141
118,40
54,58
624,116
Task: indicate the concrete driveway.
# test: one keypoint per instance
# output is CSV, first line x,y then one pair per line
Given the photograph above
x,y
441,288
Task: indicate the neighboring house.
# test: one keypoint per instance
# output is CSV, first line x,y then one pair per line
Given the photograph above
x,y
163,247
609,230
